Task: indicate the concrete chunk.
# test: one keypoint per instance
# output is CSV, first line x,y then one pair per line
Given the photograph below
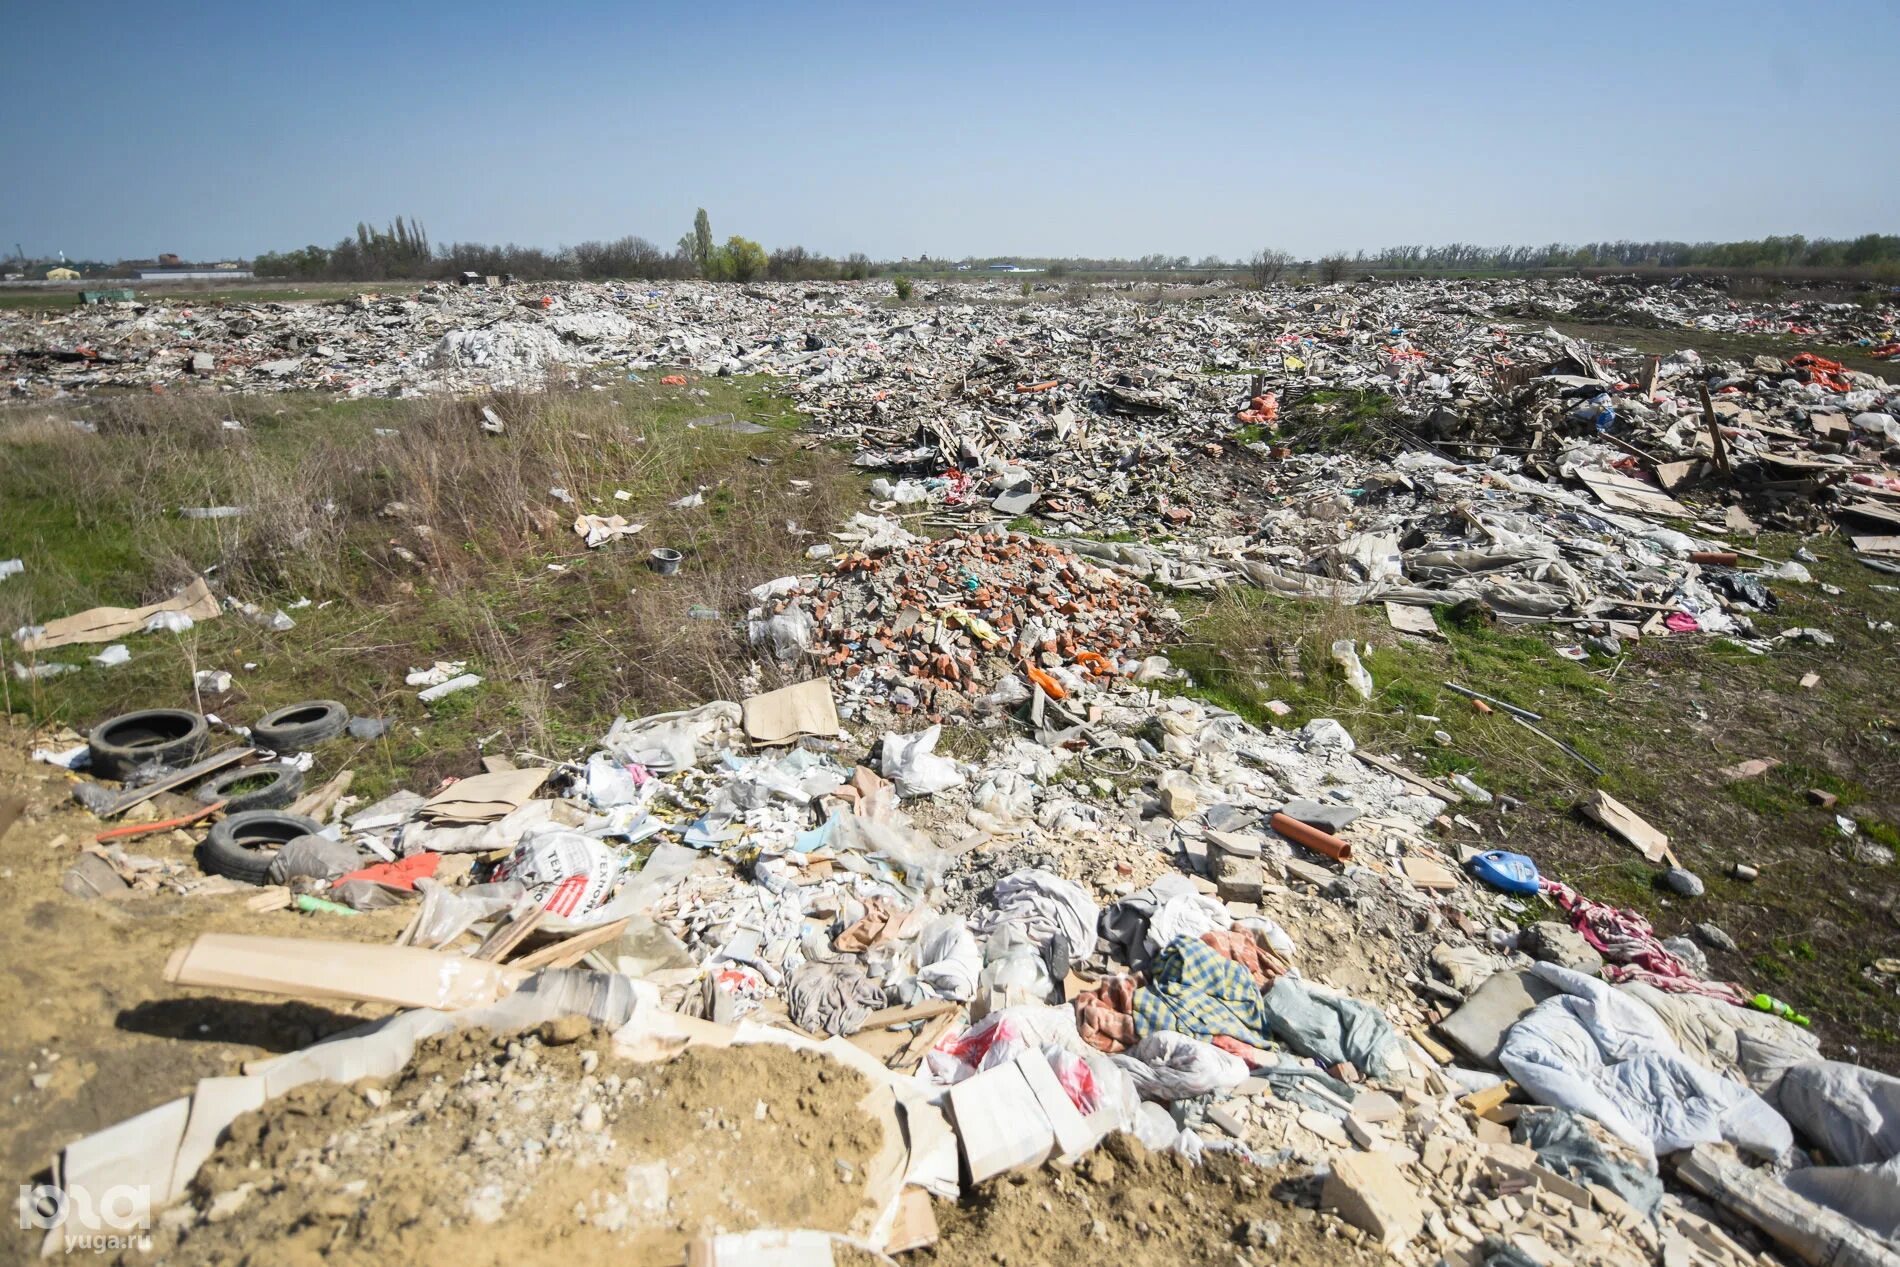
x,y
1367,1191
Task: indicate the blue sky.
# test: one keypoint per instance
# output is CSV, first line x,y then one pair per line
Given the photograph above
x,y
1111,128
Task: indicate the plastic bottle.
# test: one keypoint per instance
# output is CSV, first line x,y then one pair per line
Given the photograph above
x,y
1471,789
1769,1003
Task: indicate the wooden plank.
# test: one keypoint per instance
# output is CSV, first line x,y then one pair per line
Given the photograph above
x,y
190,774
1405,776
1715,429
319,803
571,950
508,934
930,1009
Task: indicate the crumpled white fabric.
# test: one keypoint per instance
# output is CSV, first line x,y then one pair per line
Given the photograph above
x,y
1042,903
1184,914
1601,1053
948,958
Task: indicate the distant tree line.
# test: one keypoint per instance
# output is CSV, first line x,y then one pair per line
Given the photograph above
x,y
1792,251
402,252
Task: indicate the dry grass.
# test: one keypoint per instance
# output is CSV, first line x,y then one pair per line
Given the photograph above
x,y
417,536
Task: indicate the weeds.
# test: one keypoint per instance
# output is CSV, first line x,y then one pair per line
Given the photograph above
x,y
417,536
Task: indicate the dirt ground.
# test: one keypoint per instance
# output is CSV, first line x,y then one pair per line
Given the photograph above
x,y
94,1034
1135,1208
515,1148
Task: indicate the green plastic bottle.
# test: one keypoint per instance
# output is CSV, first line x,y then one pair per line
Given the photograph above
x,y
1768,1003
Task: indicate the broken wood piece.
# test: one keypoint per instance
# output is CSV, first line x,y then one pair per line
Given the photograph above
x,y
177,779
318,804
510,932
274,897
571,950
145,829
1406,777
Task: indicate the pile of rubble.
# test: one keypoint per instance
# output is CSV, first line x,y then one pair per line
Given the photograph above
x,y
1116,912
1213,938
931,624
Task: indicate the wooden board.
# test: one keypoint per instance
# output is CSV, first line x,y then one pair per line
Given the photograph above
x,y
1406,777
190,774
571,950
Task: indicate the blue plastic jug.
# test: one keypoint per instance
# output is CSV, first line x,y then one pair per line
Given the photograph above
x,y
1511,872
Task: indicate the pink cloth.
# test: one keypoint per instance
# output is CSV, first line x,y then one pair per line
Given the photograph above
x,y
1630,949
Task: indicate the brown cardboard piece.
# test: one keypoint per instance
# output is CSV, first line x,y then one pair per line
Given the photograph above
x,y
108,624
310,968
1627,823
791,712
483,798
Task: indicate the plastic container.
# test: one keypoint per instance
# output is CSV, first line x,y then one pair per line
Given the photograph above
x,y
664,561
1510,872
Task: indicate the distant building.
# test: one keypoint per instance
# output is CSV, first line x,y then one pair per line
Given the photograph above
x,y
62,275
168,260
208,273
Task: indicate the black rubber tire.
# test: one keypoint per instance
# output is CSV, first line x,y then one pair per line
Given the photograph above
x,y
301,727
243,846
121,744
286,782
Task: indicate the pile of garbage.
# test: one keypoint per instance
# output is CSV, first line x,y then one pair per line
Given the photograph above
x,y
1261,944
934,624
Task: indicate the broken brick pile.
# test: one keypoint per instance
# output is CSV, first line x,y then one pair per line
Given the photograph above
x,y
936,622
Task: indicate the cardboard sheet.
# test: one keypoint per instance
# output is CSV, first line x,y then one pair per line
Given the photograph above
x,y
791,712
483,798
109,624
1620,492
310,968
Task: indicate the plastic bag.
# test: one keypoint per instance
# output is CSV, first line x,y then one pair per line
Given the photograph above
x,y
1346,656
911,762
315,858
567,873
448,913
788,633
923,863
1000,1037
1168,1066
610,783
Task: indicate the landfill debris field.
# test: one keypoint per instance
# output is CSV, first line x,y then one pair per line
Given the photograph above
x,y
798,773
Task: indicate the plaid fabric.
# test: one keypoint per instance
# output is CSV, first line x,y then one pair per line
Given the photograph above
x,y
1195,990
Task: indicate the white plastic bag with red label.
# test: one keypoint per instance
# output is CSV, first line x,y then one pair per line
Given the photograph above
x,y
567,873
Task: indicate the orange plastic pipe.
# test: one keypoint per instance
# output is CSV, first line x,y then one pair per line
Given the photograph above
x,y
1312,837
142,829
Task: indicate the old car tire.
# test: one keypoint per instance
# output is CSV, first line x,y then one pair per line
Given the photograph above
x,y
243,846
286,781
301,726
121,744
